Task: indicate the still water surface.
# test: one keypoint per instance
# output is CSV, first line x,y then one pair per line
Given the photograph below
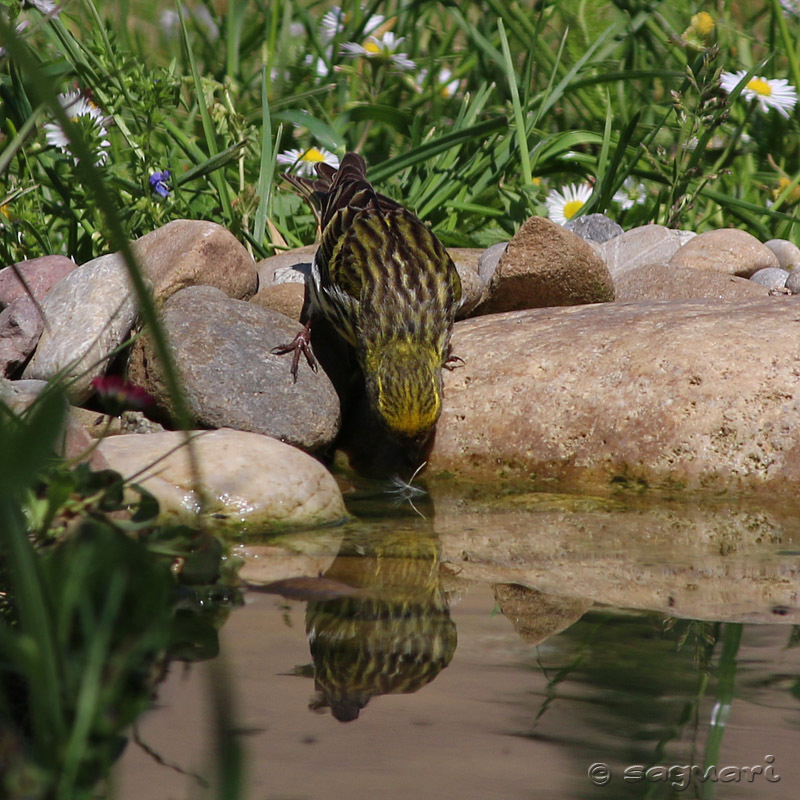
x,y
504,649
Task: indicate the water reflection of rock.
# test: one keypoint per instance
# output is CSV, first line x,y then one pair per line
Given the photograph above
x,y
725,561
394,636
537,616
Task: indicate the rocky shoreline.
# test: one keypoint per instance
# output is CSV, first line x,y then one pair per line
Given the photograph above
x,y
594,359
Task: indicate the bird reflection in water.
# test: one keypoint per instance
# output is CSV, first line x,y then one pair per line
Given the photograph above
x,y
393,634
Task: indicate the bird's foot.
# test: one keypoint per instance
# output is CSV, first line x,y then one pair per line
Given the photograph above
x,y
453,362
300,344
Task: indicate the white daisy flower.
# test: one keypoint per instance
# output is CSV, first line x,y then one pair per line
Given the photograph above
x,y
335,20
304,160
45,7
565,204
448,84
202,16
382,49
279,76
169,22
332,23
445,82
79,108
631,194
321,65
775,93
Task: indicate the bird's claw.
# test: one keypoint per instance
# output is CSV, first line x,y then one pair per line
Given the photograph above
x,y
452,362
300,344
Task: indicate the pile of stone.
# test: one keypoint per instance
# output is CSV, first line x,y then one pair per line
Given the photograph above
x,y
594,358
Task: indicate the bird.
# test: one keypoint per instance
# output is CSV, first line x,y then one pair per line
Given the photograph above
x,y
388,287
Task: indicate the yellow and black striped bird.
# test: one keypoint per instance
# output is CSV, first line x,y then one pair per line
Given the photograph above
x,y
388,287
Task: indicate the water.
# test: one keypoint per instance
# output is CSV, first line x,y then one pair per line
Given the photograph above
x,y
504,648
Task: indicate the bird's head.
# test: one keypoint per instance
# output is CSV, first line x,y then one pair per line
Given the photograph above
x,y
404,384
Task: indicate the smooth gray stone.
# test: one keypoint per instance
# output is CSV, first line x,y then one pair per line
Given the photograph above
x,y
222,350
771,277
89,313
594,227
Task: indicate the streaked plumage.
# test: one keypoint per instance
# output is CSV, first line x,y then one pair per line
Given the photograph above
x,y
389,288
393,634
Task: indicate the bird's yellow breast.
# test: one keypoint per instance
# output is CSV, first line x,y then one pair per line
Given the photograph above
x,y
406,380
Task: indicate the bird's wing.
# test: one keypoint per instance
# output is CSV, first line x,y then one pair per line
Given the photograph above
x,y
363,230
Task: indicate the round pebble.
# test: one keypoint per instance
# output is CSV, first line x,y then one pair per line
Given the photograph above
x,y
793,282
594,227
771,277
787,252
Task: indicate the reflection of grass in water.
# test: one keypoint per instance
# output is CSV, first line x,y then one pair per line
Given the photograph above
x,y
553,682
646,684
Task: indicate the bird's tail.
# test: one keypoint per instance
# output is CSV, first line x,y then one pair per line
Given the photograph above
x,y
337,189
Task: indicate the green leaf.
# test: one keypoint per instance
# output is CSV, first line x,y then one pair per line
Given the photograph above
x,y
432,148
323,134
266,168
389,115
223,190
553,146
210,165
32,439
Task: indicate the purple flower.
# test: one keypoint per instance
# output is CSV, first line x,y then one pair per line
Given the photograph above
x,y
158,183
116,395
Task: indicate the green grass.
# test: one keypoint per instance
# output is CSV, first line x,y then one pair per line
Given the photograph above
x,y
92,609
547,94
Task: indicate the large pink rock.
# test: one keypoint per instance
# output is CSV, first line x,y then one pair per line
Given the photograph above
x,y
546,265
685,394
21,326
40,275
188,252
728,250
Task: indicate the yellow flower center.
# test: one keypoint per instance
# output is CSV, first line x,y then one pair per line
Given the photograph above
x,y
759,86
372,48
783,183
313,155
703,23
572,208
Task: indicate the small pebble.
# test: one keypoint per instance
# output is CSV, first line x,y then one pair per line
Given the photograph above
x,y
771,277
787,252
489,259
594,227
793,281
